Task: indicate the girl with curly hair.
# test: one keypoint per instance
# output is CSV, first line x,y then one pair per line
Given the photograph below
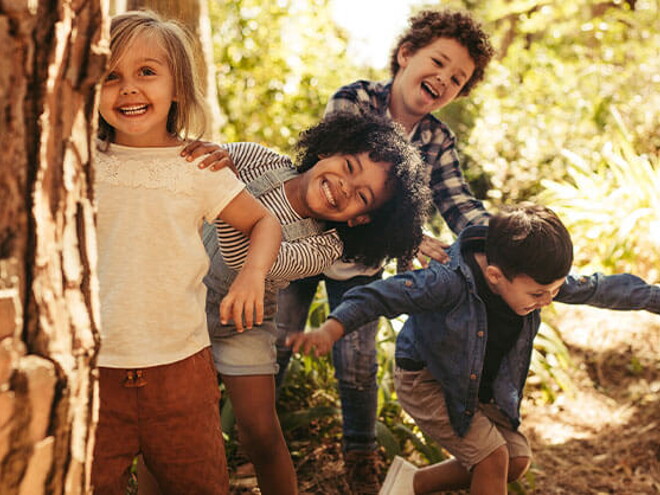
x,y
358,193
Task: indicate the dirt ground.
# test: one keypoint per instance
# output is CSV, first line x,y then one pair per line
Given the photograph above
x,y
601,437
604,436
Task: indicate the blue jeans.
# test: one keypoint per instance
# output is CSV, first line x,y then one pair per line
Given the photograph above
x,y
354,356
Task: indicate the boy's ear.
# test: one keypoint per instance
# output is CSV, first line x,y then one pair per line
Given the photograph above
x,y
493,274
359,220
403,54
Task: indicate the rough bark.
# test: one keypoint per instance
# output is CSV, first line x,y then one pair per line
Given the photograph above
x,y
50,60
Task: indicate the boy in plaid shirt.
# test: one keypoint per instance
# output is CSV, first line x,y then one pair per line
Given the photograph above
x,y
440,57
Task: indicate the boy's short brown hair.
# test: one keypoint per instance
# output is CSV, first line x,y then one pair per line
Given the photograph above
x,y
529,239
429,25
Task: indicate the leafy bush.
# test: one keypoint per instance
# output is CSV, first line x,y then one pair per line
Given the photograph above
x,y
561,66
610,202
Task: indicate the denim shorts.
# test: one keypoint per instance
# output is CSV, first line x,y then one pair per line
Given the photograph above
x,y
251,352
422,397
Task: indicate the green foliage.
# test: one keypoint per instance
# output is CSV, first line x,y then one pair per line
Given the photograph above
x,y
561,66
610,202
550,364
278,63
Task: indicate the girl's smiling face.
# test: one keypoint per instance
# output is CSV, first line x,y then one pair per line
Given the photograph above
x,y
137,94
343,188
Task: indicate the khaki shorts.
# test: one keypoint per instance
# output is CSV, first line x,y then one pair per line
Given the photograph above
x,y
172,418
422,397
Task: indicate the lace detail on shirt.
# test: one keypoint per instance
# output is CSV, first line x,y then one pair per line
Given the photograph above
x,y
148,173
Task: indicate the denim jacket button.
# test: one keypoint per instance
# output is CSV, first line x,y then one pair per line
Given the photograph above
x,y
480,333
473,377
408,283
468,413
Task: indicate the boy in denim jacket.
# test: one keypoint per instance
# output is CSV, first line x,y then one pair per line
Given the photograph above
x,y
464,353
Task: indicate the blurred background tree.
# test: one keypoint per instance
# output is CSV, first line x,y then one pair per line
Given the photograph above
x,y
278,63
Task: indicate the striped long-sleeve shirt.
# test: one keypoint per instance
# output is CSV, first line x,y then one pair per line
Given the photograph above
x,y
297,259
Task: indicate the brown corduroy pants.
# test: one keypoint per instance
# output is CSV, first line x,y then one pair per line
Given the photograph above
x,y
169,414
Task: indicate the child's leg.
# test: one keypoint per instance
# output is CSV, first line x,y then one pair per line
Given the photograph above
x,y
246,363
117,438
482,456
455,476
260,434
180,431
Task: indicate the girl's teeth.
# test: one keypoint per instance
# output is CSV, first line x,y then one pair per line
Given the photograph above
x,y
328,194
135,110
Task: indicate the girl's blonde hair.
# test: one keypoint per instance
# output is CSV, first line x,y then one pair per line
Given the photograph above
x,y
187,115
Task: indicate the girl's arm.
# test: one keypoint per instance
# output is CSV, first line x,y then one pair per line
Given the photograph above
x,y
216,159
246,295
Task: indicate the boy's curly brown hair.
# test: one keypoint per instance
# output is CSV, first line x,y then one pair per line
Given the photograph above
x,y
429,25
395,229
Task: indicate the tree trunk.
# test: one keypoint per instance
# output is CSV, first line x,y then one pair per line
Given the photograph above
x,y
50,61
194,15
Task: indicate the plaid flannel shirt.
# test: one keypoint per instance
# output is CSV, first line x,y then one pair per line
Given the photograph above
x,y
437,145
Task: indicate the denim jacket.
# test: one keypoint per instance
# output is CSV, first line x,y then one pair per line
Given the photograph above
x,y
446,329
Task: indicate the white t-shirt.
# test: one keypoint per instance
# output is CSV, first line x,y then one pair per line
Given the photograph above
x,y
151,205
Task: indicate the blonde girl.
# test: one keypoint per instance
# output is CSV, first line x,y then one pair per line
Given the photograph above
x,y
158,388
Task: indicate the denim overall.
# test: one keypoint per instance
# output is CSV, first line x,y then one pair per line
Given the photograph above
x,y
220,276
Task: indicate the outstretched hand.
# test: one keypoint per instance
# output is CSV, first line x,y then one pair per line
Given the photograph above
x,y
321,340
244,303
217,158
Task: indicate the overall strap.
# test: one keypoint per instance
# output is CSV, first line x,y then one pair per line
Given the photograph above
x,y
269,180
307,227
272,179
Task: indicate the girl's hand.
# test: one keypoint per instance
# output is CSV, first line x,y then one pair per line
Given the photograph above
x,y
217,157
244,303
321,340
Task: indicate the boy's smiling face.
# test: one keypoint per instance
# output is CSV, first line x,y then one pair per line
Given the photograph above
x,y
429,79
522,294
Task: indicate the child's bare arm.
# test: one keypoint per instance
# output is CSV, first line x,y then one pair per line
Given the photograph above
x,y
245,298
217,158
321,340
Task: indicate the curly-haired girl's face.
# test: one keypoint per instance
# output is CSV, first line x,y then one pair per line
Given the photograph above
x,y
341,188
